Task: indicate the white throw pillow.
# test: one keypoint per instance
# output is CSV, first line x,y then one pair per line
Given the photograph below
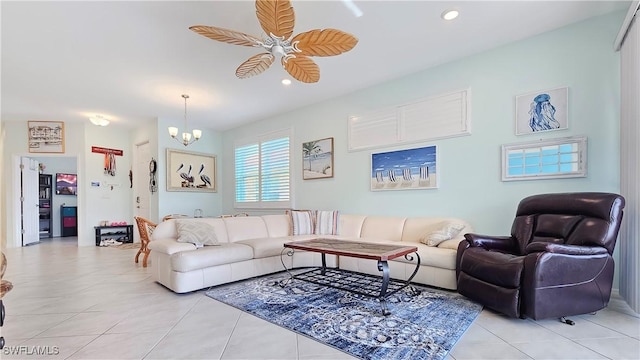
x,y
301,222
198,233
326,222
447,231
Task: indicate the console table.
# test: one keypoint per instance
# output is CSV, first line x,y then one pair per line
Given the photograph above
x,y
122,233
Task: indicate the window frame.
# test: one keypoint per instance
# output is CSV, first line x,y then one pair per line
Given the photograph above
x,y
580,171
259,140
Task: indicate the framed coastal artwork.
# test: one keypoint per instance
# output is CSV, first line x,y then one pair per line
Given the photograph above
x,y
46,136
190,171
405,169
317,159
542,111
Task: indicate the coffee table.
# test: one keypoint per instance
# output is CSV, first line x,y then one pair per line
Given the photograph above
x,y
359,283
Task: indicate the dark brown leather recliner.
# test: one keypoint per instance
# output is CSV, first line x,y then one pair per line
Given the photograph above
x,y
556,263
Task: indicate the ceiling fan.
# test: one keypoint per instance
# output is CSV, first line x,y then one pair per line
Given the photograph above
x,y
277,19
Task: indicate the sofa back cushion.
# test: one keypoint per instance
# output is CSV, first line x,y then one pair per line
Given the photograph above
x,y
245,227
277,225
167,229
350,225
418,229
385,228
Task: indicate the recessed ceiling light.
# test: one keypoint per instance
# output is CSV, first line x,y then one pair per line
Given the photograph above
x,y
450,14
286,82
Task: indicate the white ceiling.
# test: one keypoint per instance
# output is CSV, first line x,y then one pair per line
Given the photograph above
x,y
131,61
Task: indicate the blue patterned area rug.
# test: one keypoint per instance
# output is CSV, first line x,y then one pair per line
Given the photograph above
x,y
424,326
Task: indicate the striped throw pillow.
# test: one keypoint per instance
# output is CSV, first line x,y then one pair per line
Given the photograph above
x,y
326,222
301,222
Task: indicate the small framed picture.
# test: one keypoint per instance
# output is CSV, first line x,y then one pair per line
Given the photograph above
x,y
541,111
46,136
317,159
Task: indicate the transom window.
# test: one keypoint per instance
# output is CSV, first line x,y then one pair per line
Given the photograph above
x,y
262,171
547,159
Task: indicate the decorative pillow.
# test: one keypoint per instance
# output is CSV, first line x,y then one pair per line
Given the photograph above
x,y
326,222
196,232
447,231
301,222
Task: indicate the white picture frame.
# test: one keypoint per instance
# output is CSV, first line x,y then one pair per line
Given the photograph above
x,y
542,111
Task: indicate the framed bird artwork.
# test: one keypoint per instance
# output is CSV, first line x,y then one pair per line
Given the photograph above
x,y
190,171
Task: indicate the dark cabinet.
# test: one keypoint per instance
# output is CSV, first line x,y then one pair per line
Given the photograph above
x,y
44,204
68,220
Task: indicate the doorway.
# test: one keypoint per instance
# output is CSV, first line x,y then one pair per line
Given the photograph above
x,y
26,223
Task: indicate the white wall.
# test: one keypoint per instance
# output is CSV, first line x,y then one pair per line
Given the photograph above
x,y
14,144
111,200
180,202
579,56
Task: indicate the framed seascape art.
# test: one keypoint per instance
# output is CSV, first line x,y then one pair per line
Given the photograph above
x,y
542,111
46,136
405,169
317,159
190,171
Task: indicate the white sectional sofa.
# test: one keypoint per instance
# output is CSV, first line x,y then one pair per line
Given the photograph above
x,y
251,246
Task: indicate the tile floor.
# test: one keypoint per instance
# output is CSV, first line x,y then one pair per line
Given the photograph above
x,y
96,303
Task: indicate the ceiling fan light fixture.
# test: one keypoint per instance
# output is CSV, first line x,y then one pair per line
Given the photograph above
x,y
99,120
186,135
450,14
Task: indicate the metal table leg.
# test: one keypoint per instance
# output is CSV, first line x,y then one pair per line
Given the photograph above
x,y
384,267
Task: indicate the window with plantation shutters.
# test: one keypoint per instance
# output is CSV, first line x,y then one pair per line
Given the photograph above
x,y
262,172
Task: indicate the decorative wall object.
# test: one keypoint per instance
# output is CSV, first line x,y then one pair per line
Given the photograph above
x,y
190,171
405,169
317,159
542,111
46,136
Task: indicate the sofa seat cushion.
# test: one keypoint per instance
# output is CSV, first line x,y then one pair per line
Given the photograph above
x,y
493,267
267,247
170,246
431,256
225,253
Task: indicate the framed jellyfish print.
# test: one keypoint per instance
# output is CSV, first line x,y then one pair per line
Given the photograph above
x,y
541,111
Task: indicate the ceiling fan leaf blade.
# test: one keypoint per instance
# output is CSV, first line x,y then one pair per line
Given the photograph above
x,y
254,65
276,17
302,69
326,42
225,35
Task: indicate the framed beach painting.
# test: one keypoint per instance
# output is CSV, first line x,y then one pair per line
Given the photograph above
x,y
542,111
190,171
405,169
46,136
317,159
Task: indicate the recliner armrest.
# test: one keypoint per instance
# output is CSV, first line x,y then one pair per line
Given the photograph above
x,y
564,249
502,243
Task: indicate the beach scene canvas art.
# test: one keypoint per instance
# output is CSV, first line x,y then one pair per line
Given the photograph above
x,y
317,159
405,169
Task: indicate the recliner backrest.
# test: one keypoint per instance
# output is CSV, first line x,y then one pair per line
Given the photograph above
x,y
586,219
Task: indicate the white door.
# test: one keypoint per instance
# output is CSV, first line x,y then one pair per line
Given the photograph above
x,y
142,182
30,201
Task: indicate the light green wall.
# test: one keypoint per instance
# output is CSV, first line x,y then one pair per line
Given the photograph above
x,y
580,56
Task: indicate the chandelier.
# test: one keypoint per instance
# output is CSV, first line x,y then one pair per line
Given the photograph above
x,y
186,135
